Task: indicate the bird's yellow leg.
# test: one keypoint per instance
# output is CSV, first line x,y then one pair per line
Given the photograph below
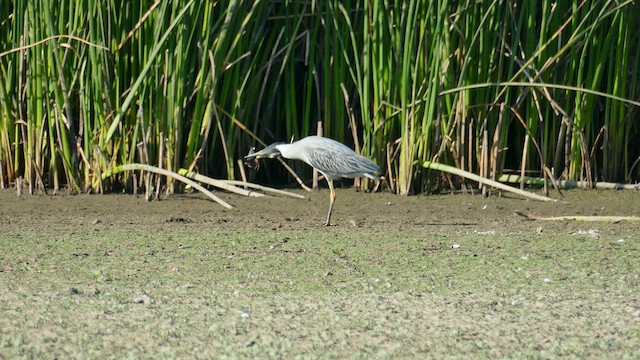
x,y
332,198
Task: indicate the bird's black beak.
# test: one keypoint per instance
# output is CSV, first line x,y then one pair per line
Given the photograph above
x,y
251,160
269,152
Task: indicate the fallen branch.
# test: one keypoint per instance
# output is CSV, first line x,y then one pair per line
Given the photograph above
x,y
264,188
156,170
233,185
568,184
218,183
485,181
613,219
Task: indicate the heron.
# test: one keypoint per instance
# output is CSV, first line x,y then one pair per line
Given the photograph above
x,y
332,159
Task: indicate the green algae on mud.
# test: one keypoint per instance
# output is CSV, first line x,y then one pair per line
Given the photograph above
x,y
455,275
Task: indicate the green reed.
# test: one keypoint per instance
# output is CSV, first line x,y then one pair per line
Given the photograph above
x,y
88,86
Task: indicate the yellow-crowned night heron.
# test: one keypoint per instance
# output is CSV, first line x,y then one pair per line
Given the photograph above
x,y
331,158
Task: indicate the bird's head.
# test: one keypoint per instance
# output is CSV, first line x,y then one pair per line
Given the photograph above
x,y
269,152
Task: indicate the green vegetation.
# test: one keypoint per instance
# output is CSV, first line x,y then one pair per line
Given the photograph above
x,y
191,289
88,85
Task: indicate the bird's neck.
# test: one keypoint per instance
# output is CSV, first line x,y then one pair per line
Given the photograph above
x,y
291,151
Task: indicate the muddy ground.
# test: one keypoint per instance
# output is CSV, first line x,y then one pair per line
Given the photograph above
x,y
441,275
379,212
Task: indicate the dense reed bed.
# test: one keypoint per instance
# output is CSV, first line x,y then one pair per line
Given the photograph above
x,y
547,89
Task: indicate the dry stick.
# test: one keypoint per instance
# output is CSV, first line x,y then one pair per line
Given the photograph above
x,y
101,159
245,129
31,175
629,175
390,180
531,138
495,146
357,182
145,178
231,185
38,178
523,160
146,137
135,184
613,219
217,183
263,188
153,169
138,24
568,184
82,156
53,37
224,144
1,175
242,174
160,163
474,177
286,166
484,169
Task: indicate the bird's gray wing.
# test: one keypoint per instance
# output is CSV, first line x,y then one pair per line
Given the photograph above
x,y
337,162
